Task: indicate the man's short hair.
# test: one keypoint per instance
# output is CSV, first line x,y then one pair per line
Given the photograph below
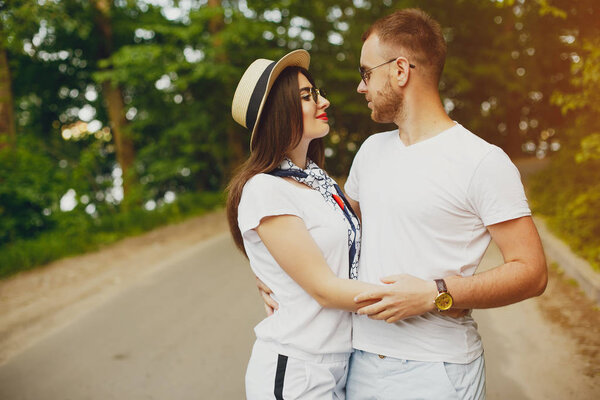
x,y
412,30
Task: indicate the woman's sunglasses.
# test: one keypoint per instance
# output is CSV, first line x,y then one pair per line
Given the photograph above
x,y
316,92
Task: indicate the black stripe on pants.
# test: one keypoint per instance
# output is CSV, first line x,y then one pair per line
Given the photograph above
x,y
279,376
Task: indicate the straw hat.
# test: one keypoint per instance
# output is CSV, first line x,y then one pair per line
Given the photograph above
x,y
255,85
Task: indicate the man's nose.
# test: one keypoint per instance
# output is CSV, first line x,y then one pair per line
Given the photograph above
x,y
362,87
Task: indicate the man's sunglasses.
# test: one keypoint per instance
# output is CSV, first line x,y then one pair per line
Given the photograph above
x,y
366,74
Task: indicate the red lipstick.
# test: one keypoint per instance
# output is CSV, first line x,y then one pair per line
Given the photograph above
x,y
323,117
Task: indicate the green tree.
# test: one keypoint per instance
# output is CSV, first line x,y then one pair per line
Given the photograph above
x,y
180,80
17,19
7,113
113,97
569,191
92,81
504,62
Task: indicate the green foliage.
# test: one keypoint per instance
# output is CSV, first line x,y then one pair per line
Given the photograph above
x,y
584,102
569,196
178,76
590,148
29,191
569,192
79,233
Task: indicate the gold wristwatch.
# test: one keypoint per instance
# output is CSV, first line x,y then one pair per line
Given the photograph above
x,y
444,300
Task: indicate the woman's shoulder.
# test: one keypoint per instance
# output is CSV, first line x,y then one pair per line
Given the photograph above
x,y
261,185
264,194
264,180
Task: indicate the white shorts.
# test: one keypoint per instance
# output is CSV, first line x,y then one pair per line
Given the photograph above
x,y
271,375
376,377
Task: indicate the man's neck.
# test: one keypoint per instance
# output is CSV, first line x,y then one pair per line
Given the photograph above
x,y
423,120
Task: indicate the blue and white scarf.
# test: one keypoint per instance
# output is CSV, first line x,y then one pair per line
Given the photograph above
x,y
317,179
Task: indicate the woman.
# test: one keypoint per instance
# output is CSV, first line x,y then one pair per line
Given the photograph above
x,y
298,231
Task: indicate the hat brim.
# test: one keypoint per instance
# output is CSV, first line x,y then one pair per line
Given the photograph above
x,y
296,58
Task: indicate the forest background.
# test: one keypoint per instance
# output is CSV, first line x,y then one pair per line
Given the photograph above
x,y
115,115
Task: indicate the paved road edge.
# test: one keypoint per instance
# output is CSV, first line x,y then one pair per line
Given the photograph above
x,y
574,266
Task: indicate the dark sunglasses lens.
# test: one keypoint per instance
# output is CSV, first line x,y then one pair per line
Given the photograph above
x,y
361,71
315,94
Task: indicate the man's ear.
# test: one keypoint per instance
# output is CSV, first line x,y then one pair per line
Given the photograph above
x,y
402,71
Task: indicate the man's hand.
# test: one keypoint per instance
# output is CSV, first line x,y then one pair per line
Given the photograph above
x,y
265,292
402,297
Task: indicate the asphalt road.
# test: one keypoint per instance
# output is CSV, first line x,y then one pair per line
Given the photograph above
x,y
185,332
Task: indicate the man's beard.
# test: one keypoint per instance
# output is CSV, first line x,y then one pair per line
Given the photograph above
x,y
389,105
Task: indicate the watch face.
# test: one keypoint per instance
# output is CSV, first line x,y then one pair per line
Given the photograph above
x,y
443,302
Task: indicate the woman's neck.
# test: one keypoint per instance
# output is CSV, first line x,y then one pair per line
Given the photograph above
x,y
298,155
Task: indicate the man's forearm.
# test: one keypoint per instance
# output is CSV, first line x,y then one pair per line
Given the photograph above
x,y
523,275
503,285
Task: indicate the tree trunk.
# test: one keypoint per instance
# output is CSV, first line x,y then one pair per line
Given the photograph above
x,y
118,123
216,23
234,141
7,111
113,97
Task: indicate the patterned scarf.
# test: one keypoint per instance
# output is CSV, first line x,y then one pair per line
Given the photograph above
x,y
317,179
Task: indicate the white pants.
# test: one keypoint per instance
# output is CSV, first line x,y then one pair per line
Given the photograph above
x,y
271,375
373,377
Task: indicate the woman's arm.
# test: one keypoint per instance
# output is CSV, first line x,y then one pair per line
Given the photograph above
x,y
294,249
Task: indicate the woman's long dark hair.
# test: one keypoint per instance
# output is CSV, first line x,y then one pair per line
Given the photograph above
x,y
279,131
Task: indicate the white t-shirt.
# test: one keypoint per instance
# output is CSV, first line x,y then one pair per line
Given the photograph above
x,y
300,326
425,209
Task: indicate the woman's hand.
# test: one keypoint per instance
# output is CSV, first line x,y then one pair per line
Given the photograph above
x,y
402,297
265,293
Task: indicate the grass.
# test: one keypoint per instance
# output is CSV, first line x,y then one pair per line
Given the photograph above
x,y
79,235
554,265
567,194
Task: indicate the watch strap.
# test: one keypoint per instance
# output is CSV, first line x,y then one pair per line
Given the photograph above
x,y
441,286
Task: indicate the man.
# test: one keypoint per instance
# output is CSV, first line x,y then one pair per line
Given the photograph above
x,y
432,195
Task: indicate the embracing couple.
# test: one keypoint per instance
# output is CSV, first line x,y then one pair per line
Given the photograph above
x,y
372,288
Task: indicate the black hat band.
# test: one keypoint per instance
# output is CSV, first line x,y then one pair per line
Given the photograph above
x,y
257,96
